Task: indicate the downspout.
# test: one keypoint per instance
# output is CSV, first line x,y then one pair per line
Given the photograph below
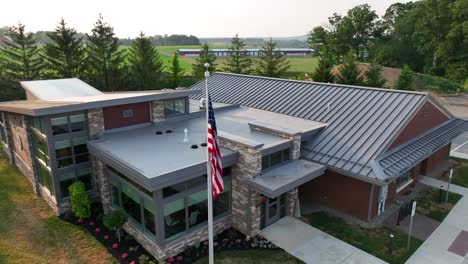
x,y
371,200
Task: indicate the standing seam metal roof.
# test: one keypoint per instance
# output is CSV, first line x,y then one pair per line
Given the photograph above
x,y
362,121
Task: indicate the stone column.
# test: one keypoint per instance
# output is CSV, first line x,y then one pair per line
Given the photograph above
x,y
291,200
95,123
102,184
249,165
157,111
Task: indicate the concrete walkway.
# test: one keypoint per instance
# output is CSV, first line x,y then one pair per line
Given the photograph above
x,y
449,242
314,246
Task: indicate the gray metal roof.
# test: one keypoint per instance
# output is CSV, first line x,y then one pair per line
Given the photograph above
x,y
362,121
286,177
406,156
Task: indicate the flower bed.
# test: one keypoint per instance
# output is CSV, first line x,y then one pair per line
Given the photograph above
x,y
129,251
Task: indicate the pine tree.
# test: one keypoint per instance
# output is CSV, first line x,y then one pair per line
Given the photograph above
x,y
106,61
323,72
271,62
21,61
374,76
348,71
405,79
175,71
65,55
145,64
206,56
238,61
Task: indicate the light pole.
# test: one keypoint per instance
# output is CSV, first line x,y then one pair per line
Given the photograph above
x,y
448,187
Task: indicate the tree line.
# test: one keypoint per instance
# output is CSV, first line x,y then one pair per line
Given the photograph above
x,y
100,62
427,36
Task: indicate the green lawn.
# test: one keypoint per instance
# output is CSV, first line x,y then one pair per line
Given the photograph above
x,y
31,233
253,256
460,174
299,65
373,241
428,203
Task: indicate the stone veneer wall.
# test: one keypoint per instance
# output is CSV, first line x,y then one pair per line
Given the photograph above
x,y
248,166
157,111
175,247
95,123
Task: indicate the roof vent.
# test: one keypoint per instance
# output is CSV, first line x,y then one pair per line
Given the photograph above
x,y
159,133
186,139
194,146
168,131
203,144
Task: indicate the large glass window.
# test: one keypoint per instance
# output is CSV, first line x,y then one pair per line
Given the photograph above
x,y
191,210
42,151
148,216
86,177
80,150
37,124
131,203
176,106
174,218
115,193
133,183
276,158
63,153
67,124
46,179
66,179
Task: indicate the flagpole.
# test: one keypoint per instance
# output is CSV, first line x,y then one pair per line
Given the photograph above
x,y
208,176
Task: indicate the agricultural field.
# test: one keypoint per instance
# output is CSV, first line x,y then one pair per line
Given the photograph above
x,y
299,65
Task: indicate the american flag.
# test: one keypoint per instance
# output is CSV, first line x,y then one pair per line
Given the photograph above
x,y
215,153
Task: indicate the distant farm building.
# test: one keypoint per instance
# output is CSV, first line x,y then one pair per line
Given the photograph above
x,y
293,52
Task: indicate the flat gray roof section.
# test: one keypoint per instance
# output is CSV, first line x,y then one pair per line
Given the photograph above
x,y
161,160
406,156
286,177
362,121
59,89
79,103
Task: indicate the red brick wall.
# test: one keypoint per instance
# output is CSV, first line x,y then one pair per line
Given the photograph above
x,y
345,194
437,159
421,122
113,116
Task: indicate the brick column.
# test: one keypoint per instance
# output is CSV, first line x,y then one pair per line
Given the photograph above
x,y
157,111
95,123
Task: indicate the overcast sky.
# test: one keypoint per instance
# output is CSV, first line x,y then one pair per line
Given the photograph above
x,y
205,18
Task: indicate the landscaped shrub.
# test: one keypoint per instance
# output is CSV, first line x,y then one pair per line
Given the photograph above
x,y
115,220
405,79
79,200
435,84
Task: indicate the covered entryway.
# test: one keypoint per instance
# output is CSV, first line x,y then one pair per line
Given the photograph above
x,y
314,246
276,183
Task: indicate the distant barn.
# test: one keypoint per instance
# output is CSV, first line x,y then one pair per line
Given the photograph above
x,y
293,52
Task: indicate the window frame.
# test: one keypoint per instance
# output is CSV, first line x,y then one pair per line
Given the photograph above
x,y
173,103
268,157
403,184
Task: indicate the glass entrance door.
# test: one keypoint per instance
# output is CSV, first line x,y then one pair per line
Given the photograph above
x,y
274,209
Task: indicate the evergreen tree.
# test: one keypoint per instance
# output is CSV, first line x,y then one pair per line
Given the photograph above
x,y
323,72
21,61
238,61
374,76
405,79
348,72
206,56
145,64
175,71
65,54
271,62
106,61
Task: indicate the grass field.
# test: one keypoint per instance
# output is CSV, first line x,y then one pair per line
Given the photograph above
x,y
372,240
253,257
31,233
299,65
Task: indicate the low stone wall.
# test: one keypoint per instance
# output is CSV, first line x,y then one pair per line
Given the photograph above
x,y
177,246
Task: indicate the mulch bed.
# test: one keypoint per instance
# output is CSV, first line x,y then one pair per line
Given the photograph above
x,y
129,251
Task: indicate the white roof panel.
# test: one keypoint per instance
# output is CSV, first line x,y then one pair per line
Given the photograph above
x,y
48,90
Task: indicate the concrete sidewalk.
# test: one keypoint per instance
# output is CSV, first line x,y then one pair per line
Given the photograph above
x,y
449,242
314,246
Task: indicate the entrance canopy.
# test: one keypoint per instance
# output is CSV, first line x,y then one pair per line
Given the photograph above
x,y
284,178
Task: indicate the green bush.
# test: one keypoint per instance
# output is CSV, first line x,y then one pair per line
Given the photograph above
x,y
436,84
405,79
116,220
79,200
